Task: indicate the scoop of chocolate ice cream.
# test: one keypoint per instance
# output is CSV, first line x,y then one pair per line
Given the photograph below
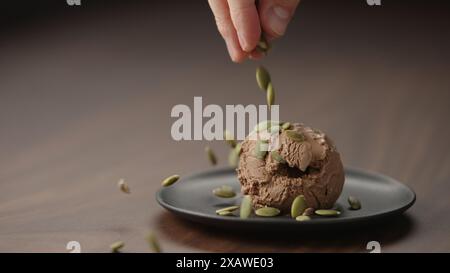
x,y
304,163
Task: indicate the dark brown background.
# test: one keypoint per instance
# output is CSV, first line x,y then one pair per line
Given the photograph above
x,y
86,94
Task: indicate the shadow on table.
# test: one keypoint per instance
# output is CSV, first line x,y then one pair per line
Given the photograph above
x,y
207,238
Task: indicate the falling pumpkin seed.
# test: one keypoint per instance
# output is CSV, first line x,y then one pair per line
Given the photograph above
x,y
286,126
228,137
270,95
170,180
211,156
262,78
123,186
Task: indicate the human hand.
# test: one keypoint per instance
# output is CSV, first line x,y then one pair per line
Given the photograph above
x,y
240,23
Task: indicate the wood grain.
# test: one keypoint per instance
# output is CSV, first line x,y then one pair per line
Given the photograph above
x,y
85,100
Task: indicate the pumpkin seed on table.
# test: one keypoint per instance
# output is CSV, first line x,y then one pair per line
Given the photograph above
x,y
267,212
123,186
262,78
295,136
298,206
270,95
327,212
224,192
246,207
277,157
211,156
116,246
153,242
354,202
302,218
170,180
230,209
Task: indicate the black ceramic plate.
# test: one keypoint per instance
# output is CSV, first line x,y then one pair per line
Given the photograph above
x,y
192,198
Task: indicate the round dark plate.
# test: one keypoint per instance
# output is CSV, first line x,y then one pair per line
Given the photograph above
x,y
192,199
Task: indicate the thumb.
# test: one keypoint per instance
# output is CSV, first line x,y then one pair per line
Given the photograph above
x,y
275,15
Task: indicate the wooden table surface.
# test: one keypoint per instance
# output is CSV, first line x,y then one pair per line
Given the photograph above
x,y
85,99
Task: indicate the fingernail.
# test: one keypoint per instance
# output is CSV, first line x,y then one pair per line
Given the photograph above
x,y
278,19
243,42
232,51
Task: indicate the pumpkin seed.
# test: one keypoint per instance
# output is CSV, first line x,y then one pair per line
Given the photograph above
x,y
170,180
153,242
286,126
327,212
277,157
302,218
231,208
260,150
263,45
298,206
224,192
228,137
270,95
308,212
295,136
225,213
246,207
354,202
123,186
211,156
117,246
267,212
262,78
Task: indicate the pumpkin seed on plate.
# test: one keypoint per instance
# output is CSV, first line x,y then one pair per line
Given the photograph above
x,y
224,192
225,213
230,208
246,207
298,206
354,202
302,218
327,212
267,212
170,180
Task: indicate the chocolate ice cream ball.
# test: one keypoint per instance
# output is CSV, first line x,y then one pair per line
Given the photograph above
x,y
304,163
